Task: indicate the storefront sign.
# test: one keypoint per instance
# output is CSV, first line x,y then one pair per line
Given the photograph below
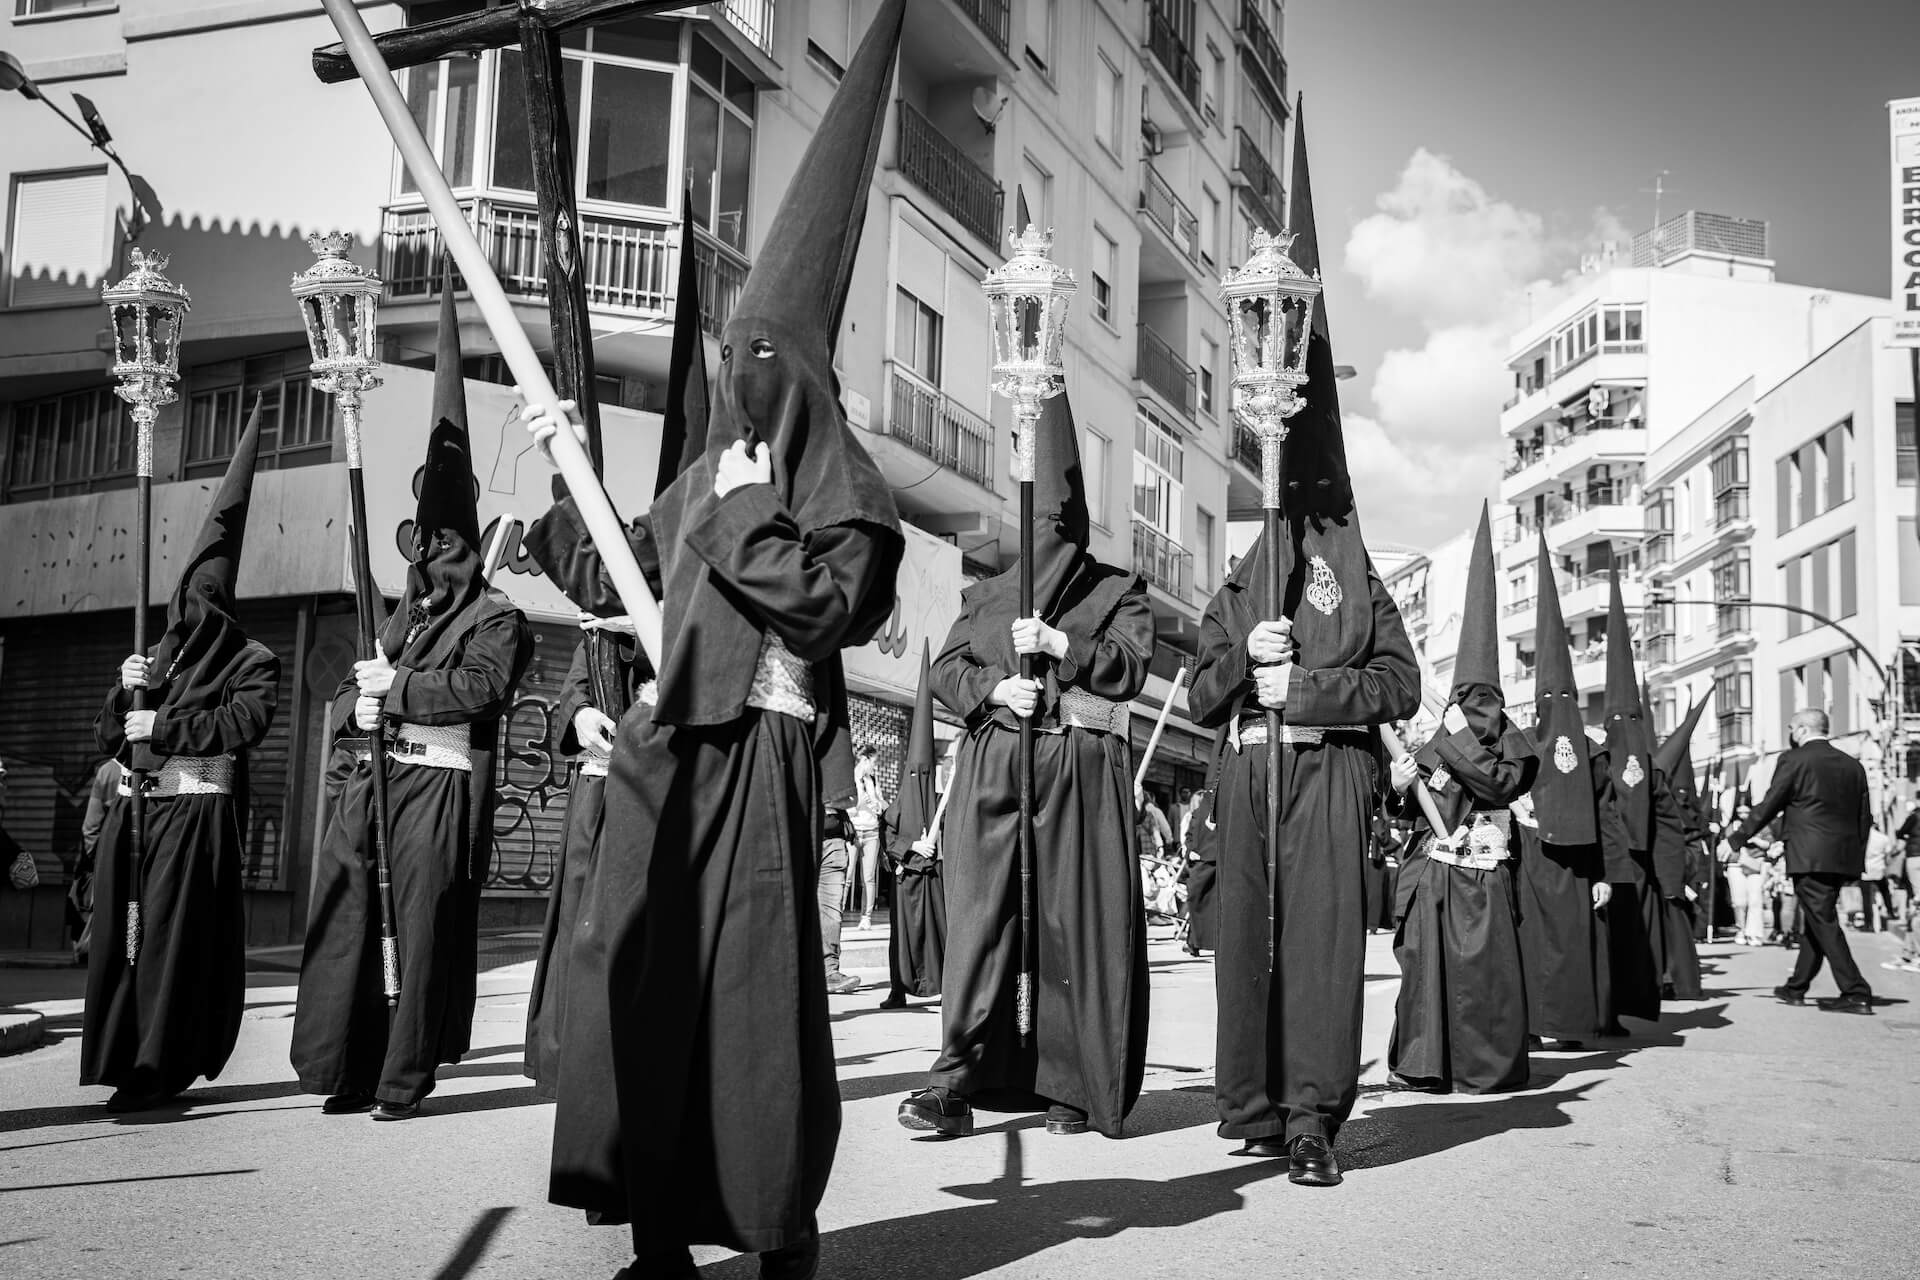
x,y
926,601
1904,118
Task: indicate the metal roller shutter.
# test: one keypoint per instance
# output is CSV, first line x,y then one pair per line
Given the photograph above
x,y
531,777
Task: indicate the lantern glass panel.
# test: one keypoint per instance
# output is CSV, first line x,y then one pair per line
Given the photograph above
x,y
316,328
161,335
1296,353
126,334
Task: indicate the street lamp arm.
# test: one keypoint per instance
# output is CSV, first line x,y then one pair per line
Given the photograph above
x,y
1820,618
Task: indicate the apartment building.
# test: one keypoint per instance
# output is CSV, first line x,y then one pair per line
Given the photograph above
x,y
1148,135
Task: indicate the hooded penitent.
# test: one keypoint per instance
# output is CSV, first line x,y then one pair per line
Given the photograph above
x,y
1476,667
1674,758
447,573
683,426
913,801
1629,743
1563,800
1324,564
203,634
776,386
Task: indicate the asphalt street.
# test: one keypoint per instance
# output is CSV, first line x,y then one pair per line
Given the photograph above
x,y
1739,1137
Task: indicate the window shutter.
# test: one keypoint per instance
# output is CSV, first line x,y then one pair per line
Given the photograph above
x,y
1795,623
1783,475
58,249
1818,599
1816,685
1836,467
1849,570
1841,665
1786,702
1809,472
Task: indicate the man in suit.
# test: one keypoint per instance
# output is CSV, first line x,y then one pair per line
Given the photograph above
x,y
1822,792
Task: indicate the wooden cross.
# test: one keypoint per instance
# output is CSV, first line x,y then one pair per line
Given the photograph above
x,y
536,26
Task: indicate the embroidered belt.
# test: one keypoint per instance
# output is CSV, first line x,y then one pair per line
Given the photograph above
x,y
781,681
1253,733
1082,710
1480,843
185,776
437,746
649,694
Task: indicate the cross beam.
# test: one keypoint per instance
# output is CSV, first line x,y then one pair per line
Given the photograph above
x,y
473,33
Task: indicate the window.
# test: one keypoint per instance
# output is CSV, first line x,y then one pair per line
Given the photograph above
x,y
1211,92
1729,470
1818,476
1108,94
80,442
1209,226
445,98
1733,703
1043,19
720,107
1203,549
1036,184
1094,454
49,8
57,238
1106,256
1906,446
916,336
1732,589
1158,464
1209,361
296,420
1622,331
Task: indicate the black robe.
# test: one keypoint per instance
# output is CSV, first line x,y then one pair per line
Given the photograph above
x,y
1636,941
441,843
1563,937
1460,1022
1088,1047
697,1097
1203,870
917,927
1678,834
1288,1051
175,1014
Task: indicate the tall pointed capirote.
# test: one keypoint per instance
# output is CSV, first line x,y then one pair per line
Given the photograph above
x,y
447,498
1478,657
1563,795
683,425
215,559
1062,525
802,273
1679,743
1629,742
1318,479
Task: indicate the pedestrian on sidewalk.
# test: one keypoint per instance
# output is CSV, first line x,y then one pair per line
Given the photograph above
x,y
917,925
166,973
866,812
1747,885
1820,794
1873,881
835,859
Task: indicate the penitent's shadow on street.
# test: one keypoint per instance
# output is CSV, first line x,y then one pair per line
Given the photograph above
x,y
1414,1130
1016,1220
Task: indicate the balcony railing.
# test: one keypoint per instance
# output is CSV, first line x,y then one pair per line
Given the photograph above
x,y
1170,213
1162,561
1171,52
1261,182
628,263
939,429
1246,447
1517,606
1266,54
935,164
752,18
1659,650
991,16
1162,369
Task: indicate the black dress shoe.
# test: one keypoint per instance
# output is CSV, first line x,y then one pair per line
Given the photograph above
x,y
1787,995
1062,1118
794,1262
346,1103
938,1111
674,1264
395,1110
894,1001
1848,1004
134,1098
1310,1162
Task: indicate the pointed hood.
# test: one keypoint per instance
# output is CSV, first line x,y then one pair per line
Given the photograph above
x,y
1563,798
914,800
443,540
1477,660
203,627
1629,742
776,387
1324,567
1678,748
683,426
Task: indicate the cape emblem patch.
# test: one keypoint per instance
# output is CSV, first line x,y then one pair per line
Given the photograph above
x,y
1633,775
1596,735
1323,589
1563,757
1440,780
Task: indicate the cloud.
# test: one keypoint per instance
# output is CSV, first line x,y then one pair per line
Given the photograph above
x,y
1470,269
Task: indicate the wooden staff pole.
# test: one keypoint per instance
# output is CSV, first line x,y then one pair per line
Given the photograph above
x,y
1398,750
608,534
497,550
1159,727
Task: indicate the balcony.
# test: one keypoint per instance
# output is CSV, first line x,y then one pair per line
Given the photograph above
x,y
1732,618
751,18
991,16
1170,213
936,164
1730,508
1562,452
1736,729
1162,561
1160,367
1171,52
628,263
1264,53
1660,650
937,428
1246,447
1257,178
1516,607
1657,550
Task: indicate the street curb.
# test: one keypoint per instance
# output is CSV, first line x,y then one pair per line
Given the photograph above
x,y
20,1029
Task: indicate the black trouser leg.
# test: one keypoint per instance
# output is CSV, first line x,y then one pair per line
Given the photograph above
x,y
1821,936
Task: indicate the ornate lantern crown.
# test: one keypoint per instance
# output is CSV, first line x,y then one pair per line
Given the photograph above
x,y
1028,297
146,308
1270,304
339,305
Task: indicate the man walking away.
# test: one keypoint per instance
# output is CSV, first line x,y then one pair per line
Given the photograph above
x,y
834,859
1822,792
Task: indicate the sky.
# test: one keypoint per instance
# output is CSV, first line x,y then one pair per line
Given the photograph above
x,y
1467,152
